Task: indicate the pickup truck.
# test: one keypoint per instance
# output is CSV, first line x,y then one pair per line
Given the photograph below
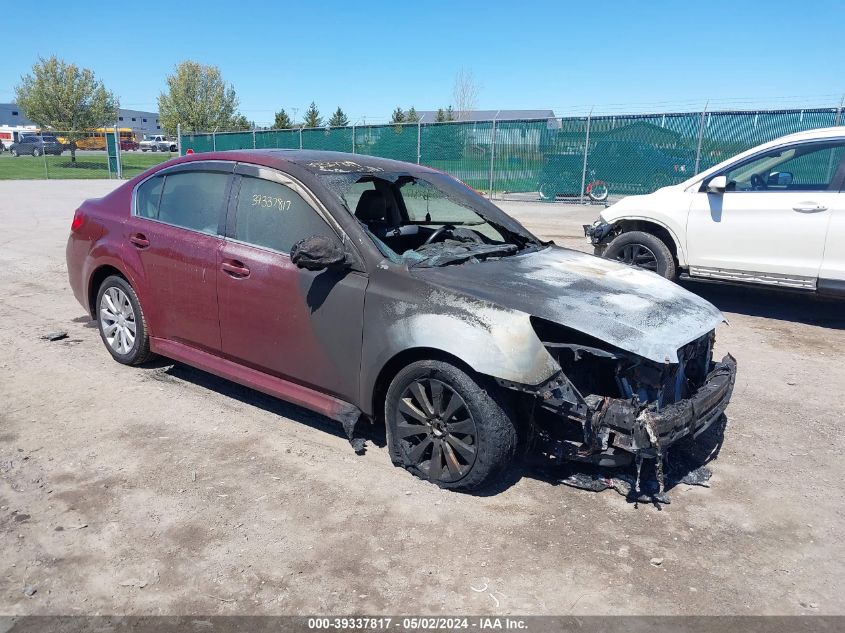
x,y
158,143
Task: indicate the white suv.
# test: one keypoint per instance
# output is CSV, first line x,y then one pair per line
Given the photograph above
x,y
772,215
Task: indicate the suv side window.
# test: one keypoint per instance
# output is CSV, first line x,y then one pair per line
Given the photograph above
x,y
802,167
193,200
274,216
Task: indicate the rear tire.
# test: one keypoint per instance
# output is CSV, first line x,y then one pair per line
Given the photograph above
x,y
442,425
644,250
121,322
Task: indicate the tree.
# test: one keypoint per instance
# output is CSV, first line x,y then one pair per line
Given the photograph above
x,y
282,121
412,116
240,122
441,116
65,98
198,98
312,116
398,116
339,118
450,114
465,93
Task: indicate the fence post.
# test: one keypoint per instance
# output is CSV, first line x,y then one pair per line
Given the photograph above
x,y
839,111
586,154
117,153
353,138
700,138
179,138
492,158
419,138
300,137
214,141
253,138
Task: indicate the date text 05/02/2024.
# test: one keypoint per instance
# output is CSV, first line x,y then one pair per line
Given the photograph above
x,y
417,623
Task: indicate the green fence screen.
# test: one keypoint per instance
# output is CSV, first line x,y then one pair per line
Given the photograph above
x,y
554,158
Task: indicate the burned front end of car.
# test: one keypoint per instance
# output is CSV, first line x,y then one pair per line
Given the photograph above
x,y
610,407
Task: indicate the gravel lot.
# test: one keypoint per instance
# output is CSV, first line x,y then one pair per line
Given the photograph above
x,y
166,490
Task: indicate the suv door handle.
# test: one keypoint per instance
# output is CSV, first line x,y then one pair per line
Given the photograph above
x,y
139,240
809,207
235,268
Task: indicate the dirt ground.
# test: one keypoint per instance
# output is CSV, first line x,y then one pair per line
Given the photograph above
x,y
164,490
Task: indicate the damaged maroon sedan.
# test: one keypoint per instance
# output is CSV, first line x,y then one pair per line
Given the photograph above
x,y
371,289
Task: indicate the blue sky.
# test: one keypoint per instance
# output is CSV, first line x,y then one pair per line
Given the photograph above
x,y
370,57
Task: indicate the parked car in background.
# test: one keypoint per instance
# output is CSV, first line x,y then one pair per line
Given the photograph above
x,y
157,143
362,287
773,215
129,145
613,167
36,146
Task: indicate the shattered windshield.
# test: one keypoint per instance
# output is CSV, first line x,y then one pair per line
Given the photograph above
x,y
427,219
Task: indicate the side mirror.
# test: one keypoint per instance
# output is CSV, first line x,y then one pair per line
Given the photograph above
x,y
780,179
717,185
318,252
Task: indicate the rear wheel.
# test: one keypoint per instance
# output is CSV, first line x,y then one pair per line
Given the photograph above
x,y
121,322
643,250
445,427
598,191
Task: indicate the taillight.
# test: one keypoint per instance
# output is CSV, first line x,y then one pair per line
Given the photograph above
x,y
78,220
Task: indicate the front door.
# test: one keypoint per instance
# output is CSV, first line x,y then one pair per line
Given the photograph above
x,y
175,231
300,325
770,224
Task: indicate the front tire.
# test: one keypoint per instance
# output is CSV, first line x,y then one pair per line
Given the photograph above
x,y
643,250
445,427
36,152
121,322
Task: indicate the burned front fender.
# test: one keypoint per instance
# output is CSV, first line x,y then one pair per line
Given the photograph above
x,y
405,313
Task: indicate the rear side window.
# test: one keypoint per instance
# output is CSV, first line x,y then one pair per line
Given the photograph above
x,y
193,200
146,202
274,216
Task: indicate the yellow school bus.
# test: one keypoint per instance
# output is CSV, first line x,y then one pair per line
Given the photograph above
x,y
96,139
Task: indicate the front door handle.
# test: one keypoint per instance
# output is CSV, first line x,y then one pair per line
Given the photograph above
x,y
139,240
809,207
235,268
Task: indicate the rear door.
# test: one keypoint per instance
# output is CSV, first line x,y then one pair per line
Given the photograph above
x,y
176,231
770,224
303,326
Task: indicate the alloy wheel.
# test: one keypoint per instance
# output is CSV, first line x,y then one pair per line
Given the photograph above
x,y
638,255
117,320
436,431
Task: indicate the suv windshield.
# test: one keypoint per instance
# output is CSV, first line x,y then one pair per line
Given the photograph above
x,y
428,219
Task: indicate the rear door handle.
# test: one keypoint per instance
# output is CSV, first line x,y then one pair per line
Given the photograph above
x,y
140,240
235,268
809,207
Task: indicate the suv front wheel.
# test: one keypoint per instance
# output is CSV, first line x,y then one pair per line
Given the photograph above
x,y
445,427
644,250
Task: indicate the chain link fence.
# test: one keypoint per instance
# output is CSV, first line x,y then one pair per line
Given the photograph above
x,y
584,158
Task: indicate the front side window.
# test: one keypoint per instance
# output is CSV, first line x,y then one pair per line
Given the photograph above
x,y
807,167
191,200
272,215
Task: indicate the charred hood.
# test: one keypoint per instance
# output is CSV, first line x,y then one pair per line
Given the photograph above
x,y
631,309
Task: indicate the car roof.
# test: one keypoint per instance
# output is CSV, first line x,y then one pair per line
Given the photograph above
x,y
314,161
